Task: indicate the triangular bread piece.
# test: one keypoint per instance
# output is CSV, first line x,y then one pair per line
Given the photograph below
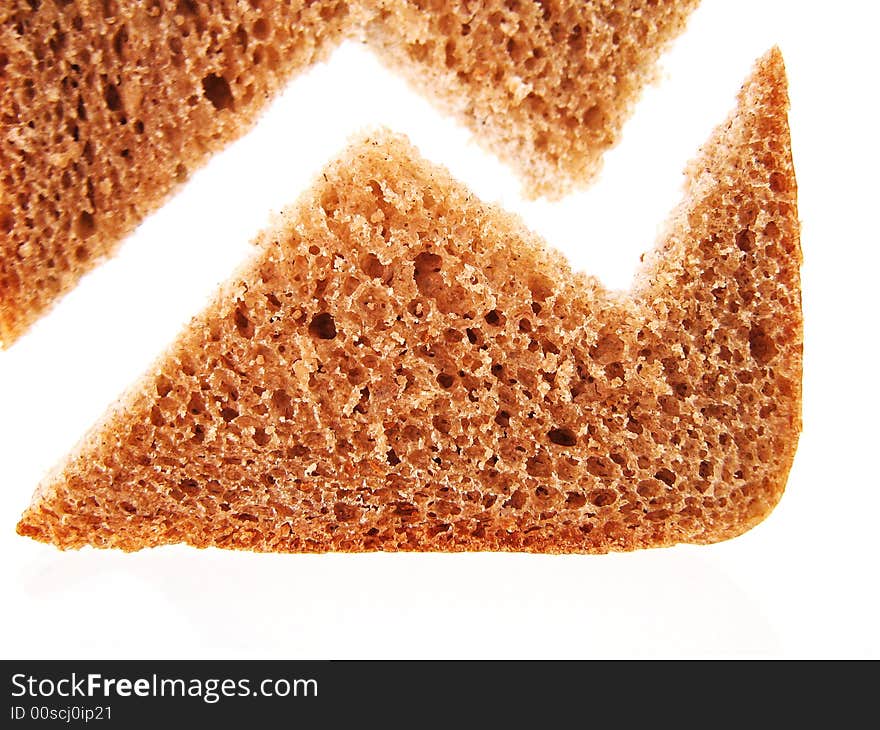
x,y
406,368
105,108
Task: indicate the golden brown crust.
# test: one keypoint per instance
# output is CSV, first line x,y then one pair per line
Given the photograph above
x,y
105,108
405,368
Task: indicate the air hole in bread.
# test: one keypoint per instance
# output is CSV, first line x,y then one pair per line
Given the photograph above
x,y
85,225
217,91
562,436
323,326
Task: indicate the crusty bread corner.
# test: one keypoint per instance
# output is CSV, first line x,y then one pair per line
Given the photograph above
x,y
744,178
403,367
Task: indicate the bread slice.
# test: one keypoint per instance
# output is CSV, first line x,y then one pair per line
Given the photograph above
x,y
106,107
403,367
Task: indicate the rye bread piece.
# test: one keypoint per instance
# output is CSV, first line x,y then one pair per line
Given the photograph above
x,y
107,107
403,367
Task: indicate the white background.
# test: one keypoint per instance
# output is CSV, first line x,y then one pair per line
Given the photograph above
x,y
803,583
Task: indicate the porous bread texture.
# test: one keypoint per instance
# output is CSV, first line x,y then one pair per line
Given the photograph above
x,y
106,107
403,367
